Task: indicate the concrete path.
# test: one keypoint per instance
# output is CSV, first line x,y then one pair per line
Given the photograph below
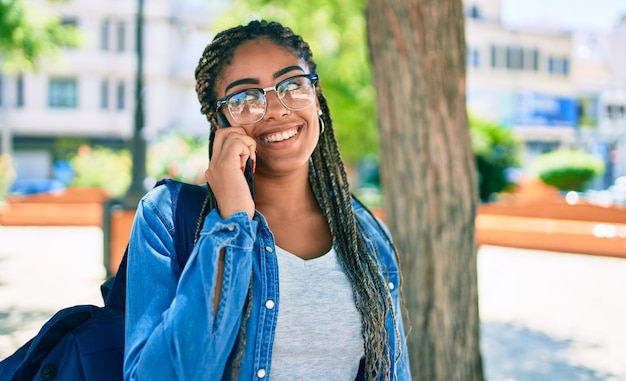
x,y
552,316
545,316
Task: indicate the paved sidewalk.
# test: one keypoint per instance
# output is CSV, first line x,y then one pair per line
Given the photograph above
x,y
552,316
545,316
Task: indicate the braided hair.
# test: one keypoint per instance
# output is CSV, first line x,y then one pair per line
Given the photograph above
x,y
329,182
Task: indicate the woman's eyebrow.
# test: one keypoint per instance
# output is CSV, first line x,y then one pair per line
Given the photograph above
x,y
253,81
243,81
287,70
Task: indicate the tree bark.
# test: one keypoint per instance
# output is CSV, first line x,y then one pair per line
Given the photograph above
x,y
429,178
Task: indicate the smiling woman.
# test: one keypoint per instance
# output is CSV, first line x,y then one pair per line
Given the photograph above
x,y
292,279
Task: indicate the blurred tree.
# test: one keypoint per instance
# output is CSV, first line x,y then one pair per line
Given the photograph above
x,y
496,149
27,33
429,177
336,32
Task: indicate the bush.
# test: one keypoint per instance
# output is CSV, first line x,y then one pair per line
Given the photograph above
x,y
496,149
7,175
567,170
179,157
174,155
101,167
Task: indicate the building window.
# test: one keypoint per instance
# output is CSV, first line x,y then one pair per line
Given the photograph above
x,y
104,94
514,58
104,34
63,93
69,22
474,12
615,111
19,90
121,96
121,36
558,66
473,58
531,59
498,56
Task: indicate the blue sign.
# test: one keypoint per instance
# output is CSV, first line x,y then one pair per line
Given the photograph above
x,y
534,109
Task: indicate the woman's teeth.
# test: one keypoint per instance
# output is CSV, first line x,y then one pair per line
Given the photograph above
x,y
280,136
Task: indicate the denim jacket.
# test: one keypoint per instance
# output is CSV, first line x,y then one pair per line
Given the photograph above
x,y
171,329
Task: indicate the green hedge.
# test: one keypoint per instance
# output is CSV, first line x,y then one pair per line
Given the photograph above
x,y
567,170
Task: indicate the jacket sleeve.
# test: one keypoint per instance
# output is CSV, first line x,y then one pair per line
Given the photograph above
x,y
171,329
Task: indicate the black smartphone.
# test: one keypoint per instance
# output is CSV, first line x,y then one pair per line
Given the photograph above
x,y
223,123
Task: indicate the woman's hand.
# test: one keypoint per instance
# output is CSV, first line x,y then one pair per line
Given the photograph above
x,y
231,150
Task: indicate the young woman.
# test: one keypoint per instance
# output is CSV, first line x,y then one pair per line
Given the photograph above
x,y
294,281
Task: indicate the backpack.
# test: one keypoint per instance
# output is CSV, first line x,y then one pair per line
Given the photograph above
x,y
86,342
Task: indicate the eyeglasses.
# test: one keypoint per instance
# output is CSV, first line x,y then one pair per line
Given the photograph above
x,y
250,105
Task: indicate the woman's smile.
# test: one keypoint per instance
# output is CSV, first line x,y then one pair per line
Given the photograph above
x,y
280,136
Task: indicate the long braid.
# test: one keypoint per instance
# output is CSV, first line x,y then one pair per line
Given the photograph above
x,y
329,182
371,292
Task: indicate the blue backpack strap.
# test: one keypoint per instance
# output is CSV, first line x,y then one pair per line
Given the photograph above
x,y
187,201
186,209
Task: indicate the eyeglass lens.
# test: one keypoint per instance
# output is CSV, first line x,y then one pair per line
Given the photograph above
x,y
249,106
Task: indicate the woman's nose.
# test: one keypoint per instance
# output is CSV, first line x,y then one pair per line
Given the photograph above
x,y
274,107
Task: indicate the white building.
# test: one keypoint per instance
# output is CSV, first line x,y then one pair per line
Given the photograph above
x,y
554,88
88,95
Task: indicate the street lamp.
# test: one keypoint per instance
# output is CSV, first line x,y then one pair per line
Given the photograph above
x,y
138,148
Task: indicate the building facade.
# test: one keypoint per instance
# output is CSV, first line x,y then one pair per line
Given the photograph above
x,y
554,88
87,94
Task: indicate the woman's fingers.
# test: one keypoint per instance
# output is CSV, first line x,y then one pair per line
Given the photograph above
x,y
231,150
233,142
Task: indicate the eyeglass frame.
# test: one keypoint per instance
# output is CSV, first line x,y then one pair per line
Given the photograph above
x,y
313,77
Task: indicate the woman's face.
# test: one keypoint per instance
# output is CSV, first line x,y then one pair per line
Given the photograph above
x,y
285,138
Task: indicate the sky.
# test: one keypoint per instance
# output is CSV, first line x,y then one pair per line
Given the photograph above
x,y
588,15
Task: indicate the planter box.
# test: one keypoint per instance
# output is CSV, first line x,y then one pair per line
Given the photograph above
x,y
70,207
121,222
548,222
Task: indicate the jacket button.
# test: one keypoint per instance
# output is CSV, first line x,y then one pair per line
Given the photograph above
x,y
260,373
269,304
49,372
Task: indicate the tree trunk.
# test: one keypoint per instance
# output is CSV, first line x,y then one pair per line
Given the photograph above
x,y
429,178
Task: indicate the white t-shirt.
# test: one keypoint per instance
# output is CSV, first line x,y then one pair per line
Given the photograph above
x,y
319,330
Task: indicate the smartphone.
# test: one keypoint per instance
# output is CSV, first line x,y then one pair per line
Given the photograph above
x,y
223,123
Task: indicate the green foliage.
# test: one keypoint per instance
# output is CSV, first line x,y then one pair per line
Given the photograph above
x,y
567,170
496,149
27,33
178,156
65,146
7,175
336,32
102,168
175,155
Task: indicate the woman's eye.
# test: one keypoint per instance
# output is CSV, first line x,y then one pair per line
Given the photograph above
x,y
290,86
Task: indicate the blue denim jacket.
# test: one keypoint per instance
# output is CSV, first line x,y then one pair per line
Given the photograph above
x,y
171,330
